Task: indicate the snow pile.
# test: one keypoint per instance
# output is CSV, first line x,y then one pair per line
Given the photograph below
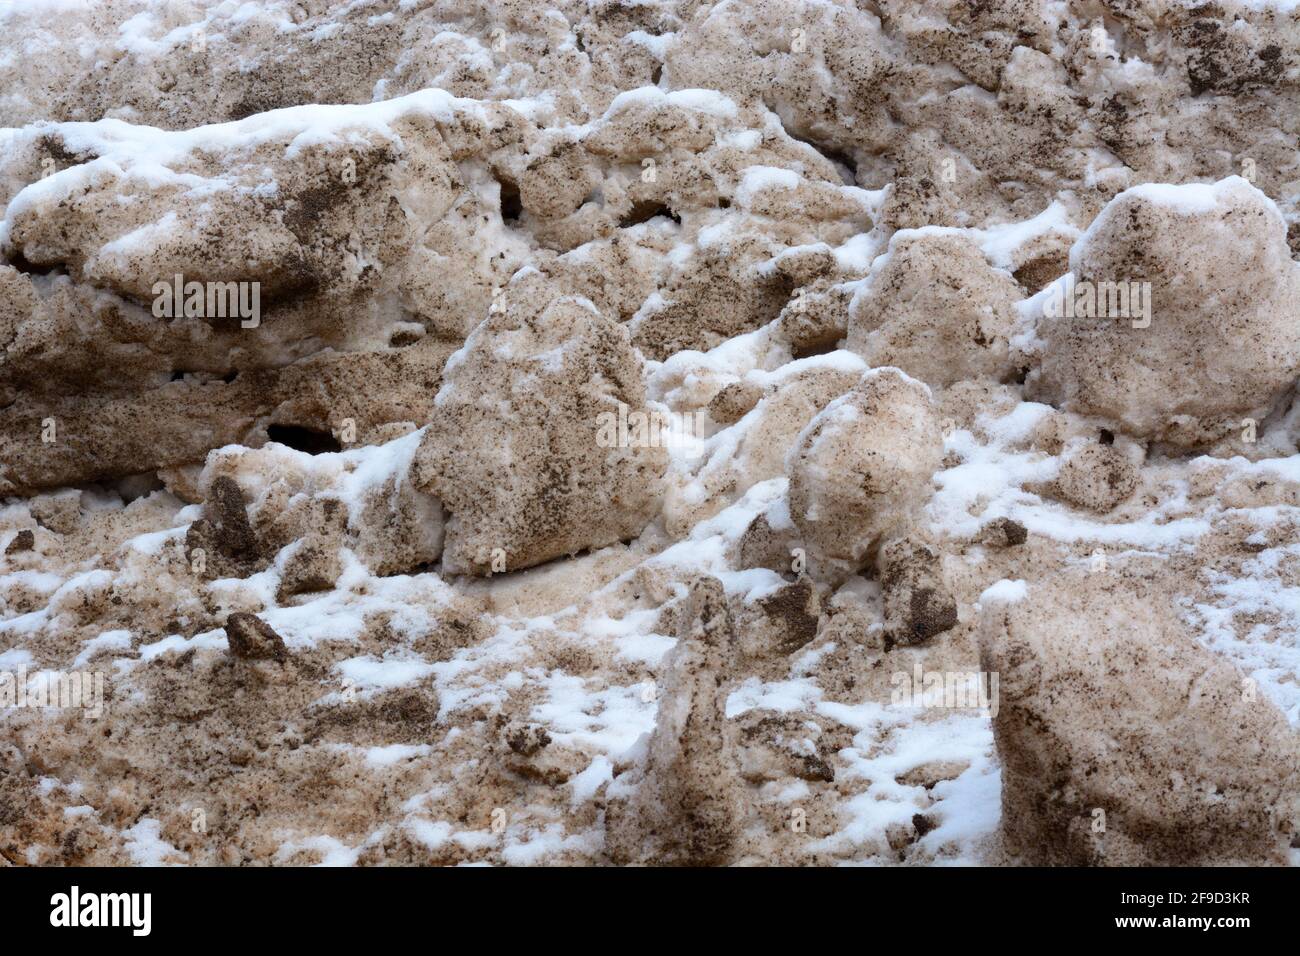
x,y
774,432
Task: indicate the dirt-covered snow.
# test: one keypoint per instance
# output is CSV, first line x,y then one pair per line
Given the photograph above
x,y
649,432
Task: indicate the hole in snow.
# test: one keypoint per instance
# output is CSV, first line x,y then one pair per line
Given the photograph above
x,y
404,337
300,438
645,211
511,206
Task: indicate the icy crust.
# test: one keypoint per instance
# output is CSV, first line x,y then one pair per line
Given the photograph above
x,y
660,442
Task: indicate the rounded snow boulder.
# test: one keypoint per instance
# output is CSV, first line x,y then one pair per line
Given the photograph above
x,y
1177,320
1123,741
540,443
934,307
861,469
